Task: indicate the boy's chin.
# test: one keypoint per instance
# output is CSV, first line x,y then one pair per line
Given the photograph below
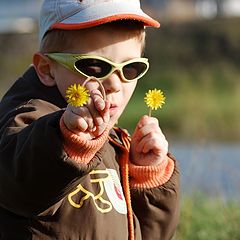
x,y
113,121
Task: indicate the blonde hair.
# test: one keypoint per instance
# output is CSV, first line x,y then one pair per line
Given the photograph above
x,y
58,40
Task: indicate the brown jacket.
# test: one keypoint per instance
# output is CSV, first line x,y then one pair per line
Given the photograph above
x,y
46,194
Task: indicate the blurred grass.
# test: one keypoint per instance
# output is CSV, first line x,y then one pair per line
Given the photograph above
x,y
196,107
196,64
208,219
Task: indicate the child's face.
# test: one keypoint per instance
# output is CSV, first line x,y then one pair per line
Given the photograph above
x,y
115,45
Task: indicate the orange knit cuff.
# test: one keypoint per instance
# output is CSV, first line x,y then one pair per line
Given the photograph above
x,y
150,176
79,149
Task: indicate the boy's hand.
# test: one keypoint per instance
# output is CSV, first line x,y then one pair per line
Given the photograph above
x,y
90,120
148,146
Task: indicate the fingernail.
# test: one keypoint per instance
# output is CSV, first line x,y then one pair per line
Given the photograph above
x,y
93,129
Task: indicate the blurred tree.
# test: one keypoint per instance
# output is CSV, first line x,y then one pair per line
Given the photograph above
x,y
154,3
219,4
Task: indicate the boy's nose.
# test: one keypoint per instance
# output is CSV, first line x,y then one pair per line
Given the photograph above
x,y
112,83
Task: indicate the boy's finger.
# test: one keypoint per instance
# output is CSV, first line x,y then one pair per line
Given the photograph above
x,y
98,100
145,120
74,122
105,112
155,144
100,129
149,129
83,113
89,111
106,118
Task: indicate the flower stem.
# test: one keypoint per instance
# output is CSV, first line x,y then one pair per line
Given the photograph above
x,y
150,112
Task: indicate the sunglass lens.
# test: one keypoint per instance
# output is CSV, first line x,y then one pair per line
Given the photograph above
x,y
93,67
133,70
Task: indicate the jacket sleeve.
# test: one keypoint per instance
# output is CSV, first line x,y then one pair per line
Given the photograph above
x,y
35,171
157,208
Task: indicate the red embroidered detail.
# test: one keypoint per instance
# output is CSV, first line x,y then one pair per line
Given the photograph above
x,y
118,192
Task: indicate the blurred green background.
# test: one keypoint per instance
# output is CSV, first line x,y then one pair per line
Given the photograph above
x,y
197,65
196,62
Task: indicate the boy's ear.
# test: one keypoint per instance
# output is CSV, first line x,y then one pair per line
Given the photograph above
x,y
43,65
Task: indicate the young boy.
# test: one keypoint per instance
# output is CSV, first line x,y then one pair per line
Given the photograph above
x,y
66,172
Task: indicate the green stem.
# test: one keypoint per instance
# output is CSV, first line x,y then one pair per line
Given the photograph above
x,y
150,112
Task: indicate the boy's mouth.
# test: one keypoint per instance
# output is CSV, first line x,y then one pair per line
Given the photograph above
x,y
113,109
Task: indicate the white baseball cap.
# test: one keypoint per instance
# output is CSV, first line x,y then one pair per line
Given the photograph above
x,y
79,14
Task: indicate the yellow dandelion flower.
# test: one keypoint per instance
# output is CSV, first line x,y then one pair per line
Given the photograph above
x,y
77,95
154,99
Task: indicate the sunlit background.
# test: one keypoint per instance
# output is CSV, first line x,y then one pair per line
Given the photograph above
x,y
195,60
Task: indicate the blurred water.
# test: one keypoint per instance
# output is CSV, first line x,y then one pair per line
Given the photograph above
x,y
210,168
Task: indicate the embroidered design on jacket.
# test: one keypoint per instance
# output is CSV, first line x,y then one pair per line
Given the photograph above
x,y
108,181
